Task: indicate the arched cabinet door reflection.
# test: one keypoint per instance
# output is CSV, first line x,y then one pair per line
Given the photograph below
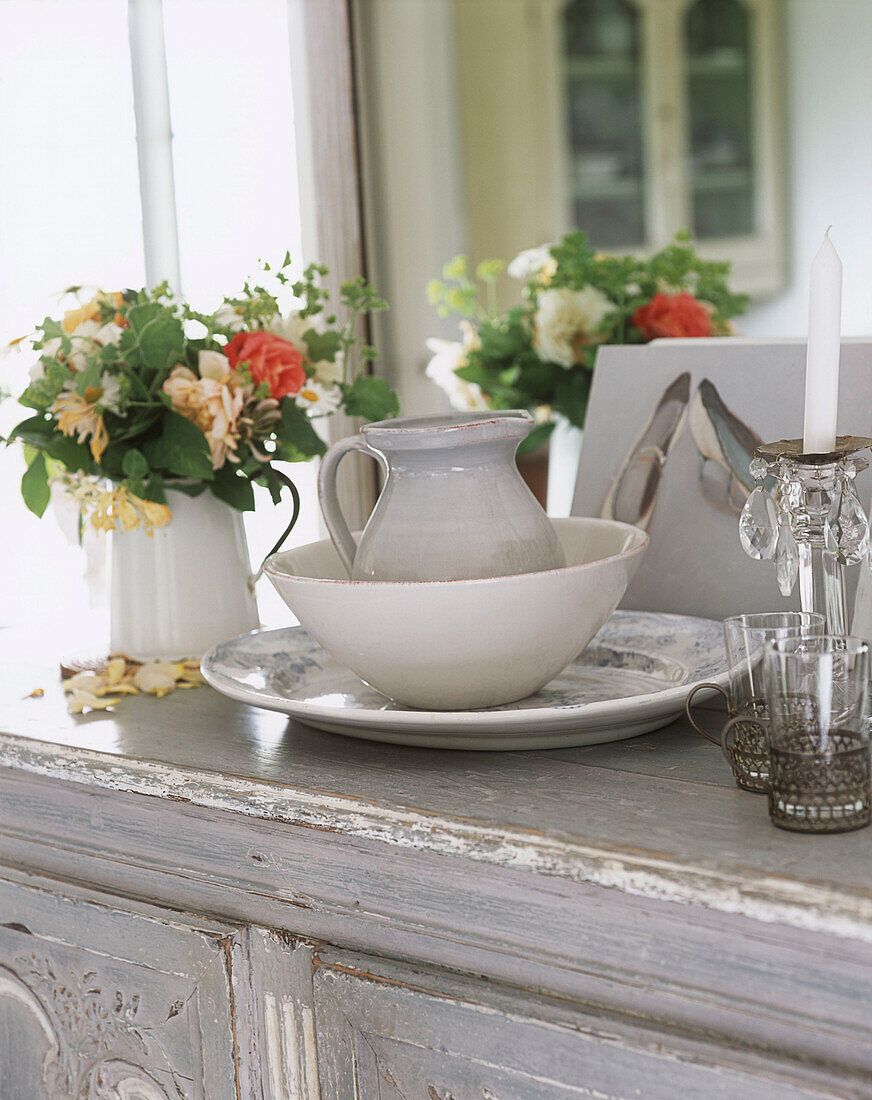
x,y
114,1001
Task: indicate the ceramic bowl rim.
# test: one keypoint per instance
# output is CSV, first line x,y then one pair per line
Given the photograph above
x,y
271,566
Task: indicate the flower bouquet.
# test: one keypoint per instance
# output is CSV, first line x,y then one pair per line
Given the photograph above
x,y
134,392
540,355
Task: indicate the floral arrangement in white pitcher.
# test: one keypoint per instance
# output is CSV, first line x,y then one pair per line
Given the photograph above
x,y
540,355
134,393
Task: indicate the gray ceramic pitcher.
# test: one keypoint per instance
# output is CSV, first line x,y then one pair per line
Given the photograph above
x,y
453,505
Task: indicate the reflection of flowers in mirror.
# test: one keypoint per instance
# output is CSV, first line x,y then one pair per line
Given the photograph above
x,y
449,356
540,354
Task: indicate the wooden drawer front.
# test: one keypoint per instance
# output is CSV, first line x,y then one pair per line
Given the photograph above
x,y
102,1001
385,1036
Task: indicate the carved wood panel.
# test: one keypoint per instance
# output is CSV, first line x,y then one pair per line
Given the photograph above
x,y
388,1032
103,1002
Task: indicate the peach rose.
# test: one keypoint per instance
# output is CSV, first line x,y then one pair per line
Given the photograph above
x,y
213,404
269,359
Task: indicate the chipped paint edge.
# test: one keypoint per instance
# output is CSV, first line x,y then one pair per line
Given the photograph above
x,y
767,898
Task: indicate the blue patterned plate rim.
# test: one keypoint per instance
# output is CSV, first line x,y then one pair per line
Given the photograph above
x,y
660,638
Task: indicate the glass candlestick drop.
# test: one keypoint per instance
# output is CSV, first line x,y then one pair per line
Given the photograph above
x,y
812,523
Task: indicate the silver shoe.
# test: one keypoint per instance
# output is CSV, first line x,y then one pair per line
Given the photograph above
x,y
633,493
726,445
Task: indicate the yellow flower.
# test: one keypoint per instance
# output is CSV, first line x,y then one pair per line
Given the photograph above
x,y
116,509
128,516
152,514
91,311
78,416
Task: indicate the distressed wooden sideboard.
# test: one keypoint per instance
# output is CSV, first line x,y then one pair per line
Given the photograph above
x,y
201,900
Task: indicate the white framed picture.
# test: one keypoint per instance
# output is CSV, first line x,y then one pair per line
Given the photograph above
x,y
671,427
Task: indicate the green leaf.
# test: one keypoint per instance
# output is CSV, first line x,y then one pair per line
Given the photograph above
x,y
160,336
181,449
288,452
36,431
322,345
273,483
370,397
34,486
44,436
42,392
297,434
153,490
89,378
112,462
68,451
134,464
51,329
189,488
233,488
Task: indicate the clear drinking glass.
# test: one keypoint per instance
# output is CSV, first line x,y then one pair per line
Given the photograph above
x,y
743,739
817,696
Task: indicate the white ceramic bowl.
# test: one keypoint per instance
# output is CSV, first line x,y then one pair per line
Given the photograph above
x,y
457,645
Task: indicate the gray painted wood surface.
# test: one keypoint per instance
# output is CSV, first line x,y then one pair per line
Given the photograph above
x,y
617,921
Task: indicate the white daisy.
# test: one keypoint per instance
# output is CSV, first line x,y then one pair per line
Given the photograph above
x,y
318,400
531,262
228,316
110,398
449,356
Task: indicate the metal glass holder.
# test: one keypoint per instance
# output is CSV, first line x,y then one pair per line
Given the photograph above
x,y
812,523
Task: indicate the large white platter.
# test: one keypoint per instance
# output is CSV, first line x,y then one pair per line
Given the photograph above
x,y
632,678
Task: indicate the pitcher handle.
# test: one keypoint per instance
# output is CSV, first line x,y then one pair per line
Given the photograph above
x,y
342,538
687,707
295,497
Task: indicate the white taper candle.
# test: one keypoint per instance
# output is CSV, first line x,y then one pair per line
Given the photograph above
x,y
822,357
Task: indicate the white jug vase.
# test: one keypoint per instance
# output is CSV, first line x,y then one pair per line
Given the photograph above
x,y
186,587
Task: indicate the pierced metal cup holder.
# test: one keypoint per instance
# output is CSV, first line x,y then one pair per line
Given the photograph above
x,y
743,741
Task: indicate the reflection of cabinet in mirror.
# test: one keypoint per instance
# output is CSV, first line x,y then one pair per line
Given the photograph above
x,y
630,119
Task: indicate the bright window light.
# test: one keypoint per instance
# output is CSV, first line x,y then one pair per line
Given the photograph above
x,y
70,213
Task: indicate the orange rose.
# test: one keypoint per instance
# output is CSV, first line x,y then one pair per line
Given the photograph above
x,y
673,315
269,359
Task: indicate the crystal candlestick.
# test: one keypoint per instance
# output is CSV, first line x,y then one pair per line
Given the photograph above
x,y
811,523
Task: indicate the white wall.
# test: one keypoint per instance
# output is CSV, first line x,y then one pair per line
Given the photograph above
x,y
828,46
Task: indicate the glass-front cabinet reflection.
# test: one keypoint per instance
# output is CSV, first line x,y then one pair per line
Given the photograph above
x,y
603,72
630,119
670,121
720,95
